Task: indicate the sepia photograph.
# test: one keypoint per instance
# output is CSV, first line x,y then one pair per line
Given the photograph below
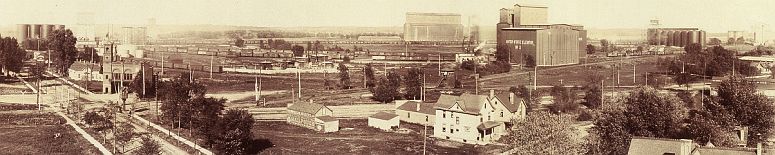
x,y
387,77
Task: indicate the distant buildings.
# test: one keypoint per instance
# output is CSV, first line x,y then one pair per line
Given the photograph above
x,y
524,31
35,31
476,119
433,27
663,146
383,120
676,36
134,35
312,116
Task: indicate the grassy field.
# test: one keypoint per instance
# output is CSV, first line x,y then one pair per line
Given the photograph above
x,y
40,133
354,138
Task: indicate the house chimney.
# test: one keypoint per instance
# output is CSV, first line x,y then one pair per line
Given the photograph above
x,y
492,93
418,106
311,101
511,98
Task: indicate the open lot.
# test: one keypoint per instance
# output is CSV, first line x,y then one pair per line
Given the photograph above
x,y
30,132
354,138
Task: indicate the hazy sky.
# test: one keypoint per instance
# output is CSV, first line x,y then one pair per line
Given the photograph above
x,y
711,15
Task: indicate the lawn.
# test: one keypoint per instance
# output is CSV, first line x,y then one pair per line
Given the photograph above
x,y
45,133
355,137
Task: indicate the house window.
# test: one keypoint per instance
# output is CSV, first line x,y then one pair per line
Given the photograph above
x,y
426,118
443,114
408,115
481,120
457,120
443,129
501,113
451,130
489,118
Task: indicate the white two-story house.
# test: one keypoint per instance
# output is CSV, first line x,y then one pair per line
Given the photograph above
x,y
475,119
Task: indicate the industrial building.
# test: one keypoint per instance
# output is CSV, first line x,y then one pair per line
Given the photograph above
x,y
433,27
134,35
35,31
676,36
525,32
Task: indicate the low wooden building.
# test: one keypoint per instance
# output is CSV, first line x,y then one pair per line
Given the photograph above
x,y
313,116
417,113
384,121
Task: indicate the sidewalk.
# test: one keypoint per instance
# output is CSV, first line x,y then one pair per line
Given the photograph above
x,y
86,135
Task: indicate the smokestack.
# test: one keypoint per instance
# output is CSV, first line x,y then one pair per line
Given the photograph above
x,y
418,106
511,98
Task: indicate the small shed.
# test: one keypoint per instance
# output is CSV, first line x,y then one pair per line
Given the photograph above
x,y
384,121
327,124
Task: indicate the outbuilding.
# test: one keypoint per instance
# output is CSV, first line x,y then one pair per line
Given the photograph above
x,y
326,124
384,121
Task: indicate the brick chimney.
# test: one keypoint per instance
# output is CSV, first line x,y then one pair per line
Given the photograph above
x,y
511,98
492,93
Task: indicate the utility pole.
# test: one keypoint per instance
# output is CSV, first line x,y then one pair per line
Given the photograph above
x,y
602,100
162,63
422,96
142,65
211,66
299,75
633,73
535,76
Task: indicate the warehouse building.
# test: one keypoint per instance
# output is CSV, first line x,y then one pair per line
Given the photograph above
x,y
676,36
525,32
433,27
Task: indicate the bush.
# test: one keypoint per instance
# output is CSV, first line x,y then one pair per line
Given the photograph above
x,y
585,115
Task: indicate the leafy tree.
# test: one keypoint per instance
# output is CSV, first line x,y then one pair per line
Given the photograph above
x,y
685,79
502,53
564,100
11,56
413,83
530,61
148,146
205,113
235,132
544,133
605,45
136,86
714,41
298,50
239,42
590,49
124,133
592,97
693,48
369,75
748,108
531,98
62,42
344,76
176,95
385,92
89,54
468,65
645,112
711,124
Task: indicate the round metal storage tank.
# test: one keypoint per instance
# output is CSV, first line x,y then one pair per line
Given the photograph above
x,y
662,38
669,41
23,32
685,38
36,31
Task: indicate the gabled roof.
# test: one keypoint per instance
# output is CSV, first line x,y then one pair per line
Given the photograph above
x,y
384,115
81,66
504,98
307,107
651,146
326,118
425,108
470,103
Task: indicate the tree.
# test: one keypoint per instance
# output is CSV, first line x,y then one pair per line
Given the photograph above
x,y
693,48
298,50
148,146
530,61
564,100
239,42
385,92
590,49
685,79
123,135
714,41
89,54
413,83
369,75
748,108
62,42
11,56
502,53
644,112
235,132
344,76
544,133
531,98
468,65
592,97
604,45
136,86
176,95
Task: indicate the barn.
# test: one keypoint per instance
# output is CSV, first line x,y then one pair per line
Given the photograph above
x,y
384,121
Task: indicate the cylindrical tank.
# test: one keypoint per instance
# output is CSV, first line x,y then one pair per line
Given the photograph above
x,y
669,41
693,37
685,38
23,32
46,31
36,31
702,38
50,28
